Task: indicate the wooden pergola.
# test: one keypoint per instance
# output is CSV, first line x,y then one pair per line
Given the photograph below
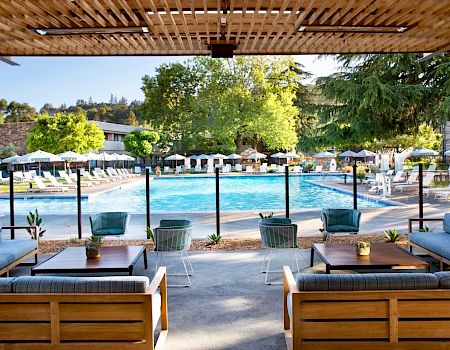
x,y
197,27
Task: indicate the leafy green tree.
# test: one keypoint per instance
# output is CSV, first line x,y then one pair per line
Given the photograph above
x,y
377,97
140,142
19,112
8,150
217,104
65,132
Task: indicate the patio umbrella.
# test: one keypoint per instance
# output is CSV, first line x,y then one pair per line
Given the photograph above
x,y
233,157
175,157
256,156
218,156
324,155
105,157
348,154
91,156
71,156
13,160
365,154
41,157
424,152
277,156
290,155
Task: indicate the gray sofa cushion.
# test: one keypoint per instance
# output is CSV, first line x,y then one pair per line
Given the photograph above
x,y
17,247
447,222
6,285
436,242
369,281
51,284
444,279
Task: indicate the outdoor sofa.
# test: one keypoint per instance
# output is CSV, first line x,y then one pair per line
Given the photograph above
x,y
83,313
16,251
435,243
366,311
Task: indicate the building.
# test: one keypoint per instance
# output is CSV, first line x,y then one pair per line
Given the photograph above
x,y
114,135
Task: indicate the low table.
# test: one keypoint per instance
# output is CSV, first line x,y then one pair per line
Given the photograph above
x,y
382,256
112,259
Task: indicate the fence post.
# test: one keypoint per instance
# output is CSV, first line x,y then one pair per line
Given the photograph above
x,y
11,202
286,184
421,195
355,188
147,194
217,203
80,234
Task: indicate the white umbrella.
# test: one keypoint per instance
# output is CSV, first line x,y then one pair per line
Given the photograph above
x,y
256,156
91,156
234,156
348,154
194,156
106,157
365,154
447,153
324,155
41,157
218,156
72,157
277,155
290,155
127,157
175,157
12,160
202,156
424,152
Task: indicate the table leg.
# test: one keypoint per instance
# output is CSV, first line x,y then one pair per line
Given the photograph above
x,y
311,264
130,270
327,269
145,259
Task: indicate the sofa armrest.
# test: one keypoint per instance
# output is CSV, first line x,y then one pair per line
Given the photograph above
x,y
160,280
289,286
411,220
34,229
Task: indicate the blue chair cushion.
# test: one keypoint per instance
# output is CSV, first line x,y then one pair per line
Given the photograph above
x,y
342,228
447,222
6,259
436,242
6,285
175,223
51,284
444,279
276,221
17,247
368,281
109,231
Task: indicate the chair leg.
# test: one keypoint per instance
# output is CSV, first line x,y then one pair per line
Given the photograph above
x,y
191,273
262,270
296,259
185,274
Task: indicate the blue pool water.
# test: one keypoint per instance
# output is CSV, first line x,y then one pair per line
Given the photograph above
x,y
198,194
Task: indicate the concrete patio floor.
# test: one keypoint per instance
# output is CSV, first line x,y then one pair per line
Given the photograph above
x,y
228,305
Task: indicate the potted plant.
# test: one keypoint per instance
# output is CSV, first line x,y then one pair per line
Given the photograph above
x,y
362,248
93,245
392,235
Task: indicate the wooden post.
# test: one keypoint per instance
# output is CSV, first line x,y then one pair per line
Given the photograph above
x,y
421,195
11,202
355,188
286,184
147,195
217,203
80,234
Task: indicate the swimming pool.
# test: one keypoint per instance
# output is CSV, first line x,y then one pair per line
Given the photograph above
x,y
194,194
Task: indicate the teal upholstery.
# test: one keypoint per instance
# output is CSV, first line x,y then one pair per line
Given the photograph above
x,y
436,242
278,233
17,247
446,225
6,259
109,223
173,235
6,285
341,220
56,284
444,279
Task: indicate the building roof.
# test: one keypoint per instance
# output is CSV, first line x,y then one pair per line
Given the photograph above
x,y
173,27
116,128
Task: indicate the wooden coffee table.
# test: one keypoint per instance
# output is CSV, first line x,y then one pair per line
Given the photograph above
x,y
382,256
112,259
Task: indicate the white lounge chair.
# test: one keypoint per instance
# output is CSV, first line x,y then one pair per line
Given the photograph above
x,y
138,170
390,172
178,169
47,174
442,194
238,167
398,176
226,169
55,183
318,169
433,190
249,169
432,167
333,168
111,174
273,167
197,168
209,169
96,176
281,169
69,181
426,183
18,176
297,169
263,168
88,177
41,187
130,174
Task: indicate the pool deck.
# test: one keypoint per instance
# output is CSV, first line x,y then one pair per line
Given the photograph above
x,y
244,224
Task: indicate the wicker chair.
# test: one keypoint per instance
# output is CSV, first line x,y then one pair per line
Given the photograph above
x,y
340,221
277,233
174,236
109,224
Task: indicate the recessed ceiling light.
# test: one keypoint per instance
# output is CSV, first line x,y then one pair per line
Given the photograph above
x,y
402,29
145,29
302,29
41,31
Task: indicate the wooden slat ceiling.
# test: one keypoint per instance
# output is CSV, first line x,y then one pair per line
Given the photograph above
x,y
177,27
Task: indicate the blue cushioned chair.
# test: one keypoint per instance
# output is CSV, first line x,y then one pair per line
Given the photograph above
x,y
109,224
340,220
174,236
277,233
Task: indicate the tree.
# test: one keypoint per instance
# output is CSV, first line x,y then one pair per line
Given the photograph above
x,y
140,142
19,112
215,104
8,150
65,132
377,97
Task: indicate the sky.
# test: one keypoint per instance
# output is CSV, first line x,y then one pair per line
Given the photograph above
x,y
58,80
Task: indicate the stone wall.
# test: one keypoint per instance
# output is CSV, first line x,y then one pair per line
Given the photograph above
x,y
15,133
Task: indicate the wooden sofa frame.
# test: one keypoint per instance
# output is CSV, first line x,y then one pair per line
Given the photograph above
x,y
412,245
34,253
369,320
83,321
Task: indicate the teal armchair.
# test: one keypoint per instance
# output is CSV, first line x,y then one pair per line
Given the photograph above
x,y
341,220
277,233
174,236
109,223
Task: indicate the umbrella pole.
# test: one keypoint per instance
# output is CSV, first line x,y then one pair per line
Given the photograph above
x,y
147,195
217,203
11,202
421,195
286,184
79,204
355,188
